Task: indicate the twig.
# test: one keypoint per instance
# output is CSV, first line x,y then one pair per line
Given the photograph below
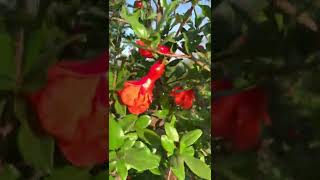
x,y
119,20
203,65
189,12
159,12
164,54
174,55
302,18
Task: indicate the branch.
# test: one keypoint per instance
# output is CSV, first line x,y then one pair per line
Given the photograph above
x,y
188,13
164,54
202,64
302,18
159,11
119,20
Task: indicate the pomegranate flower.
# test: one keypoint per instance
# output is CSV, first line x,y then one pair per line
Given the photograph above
x,y
137,94
237,117
143,52
148,54
156,70
72,107
183,98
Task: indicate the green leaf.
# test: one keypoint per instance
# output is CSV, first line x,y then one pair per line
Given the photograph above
x,y
69,172
141,159
173,5
116,135
167,144
122,76
173,120
128,122
133,20
111,81
192,39
34,44
280,21
155,171
198,167
40,154
7,65
112,166
187,42
188,151
171,132
112,155
155,40
38,151
143,122
178,167
9,172
161,114
190,138
206,10
128,143
120,109
122,169
164,4
149,137
111,178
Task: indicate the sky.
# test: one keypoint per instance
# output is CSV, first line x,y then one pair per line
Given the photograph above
x,y
181,10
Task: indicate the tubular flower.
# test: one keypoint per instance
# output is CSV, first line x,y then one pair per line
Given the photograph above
x,y
137,95
72,107
144,52
164,49
148,54
237,117
156,70
183,98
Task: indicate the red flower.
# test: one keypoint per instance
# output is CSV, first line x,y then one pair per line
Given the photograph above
x,y
156,70
238,117
137,95
183,98
72,107
144,52
164,49
138,4
148,54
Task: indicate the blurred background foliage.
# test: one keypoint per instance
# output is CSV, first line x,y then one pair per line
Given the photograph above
x,y
35,34
275,44
186,29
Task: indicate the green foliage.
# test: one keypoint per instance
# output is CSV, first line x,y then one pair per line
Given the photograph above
x,y
156,141
274,46
33,38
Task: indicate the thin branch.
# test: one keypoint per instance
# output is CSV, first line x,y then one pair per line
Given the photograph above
x,y
159,12
202,64
164,54
119,20
303,18
174,55
188,13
